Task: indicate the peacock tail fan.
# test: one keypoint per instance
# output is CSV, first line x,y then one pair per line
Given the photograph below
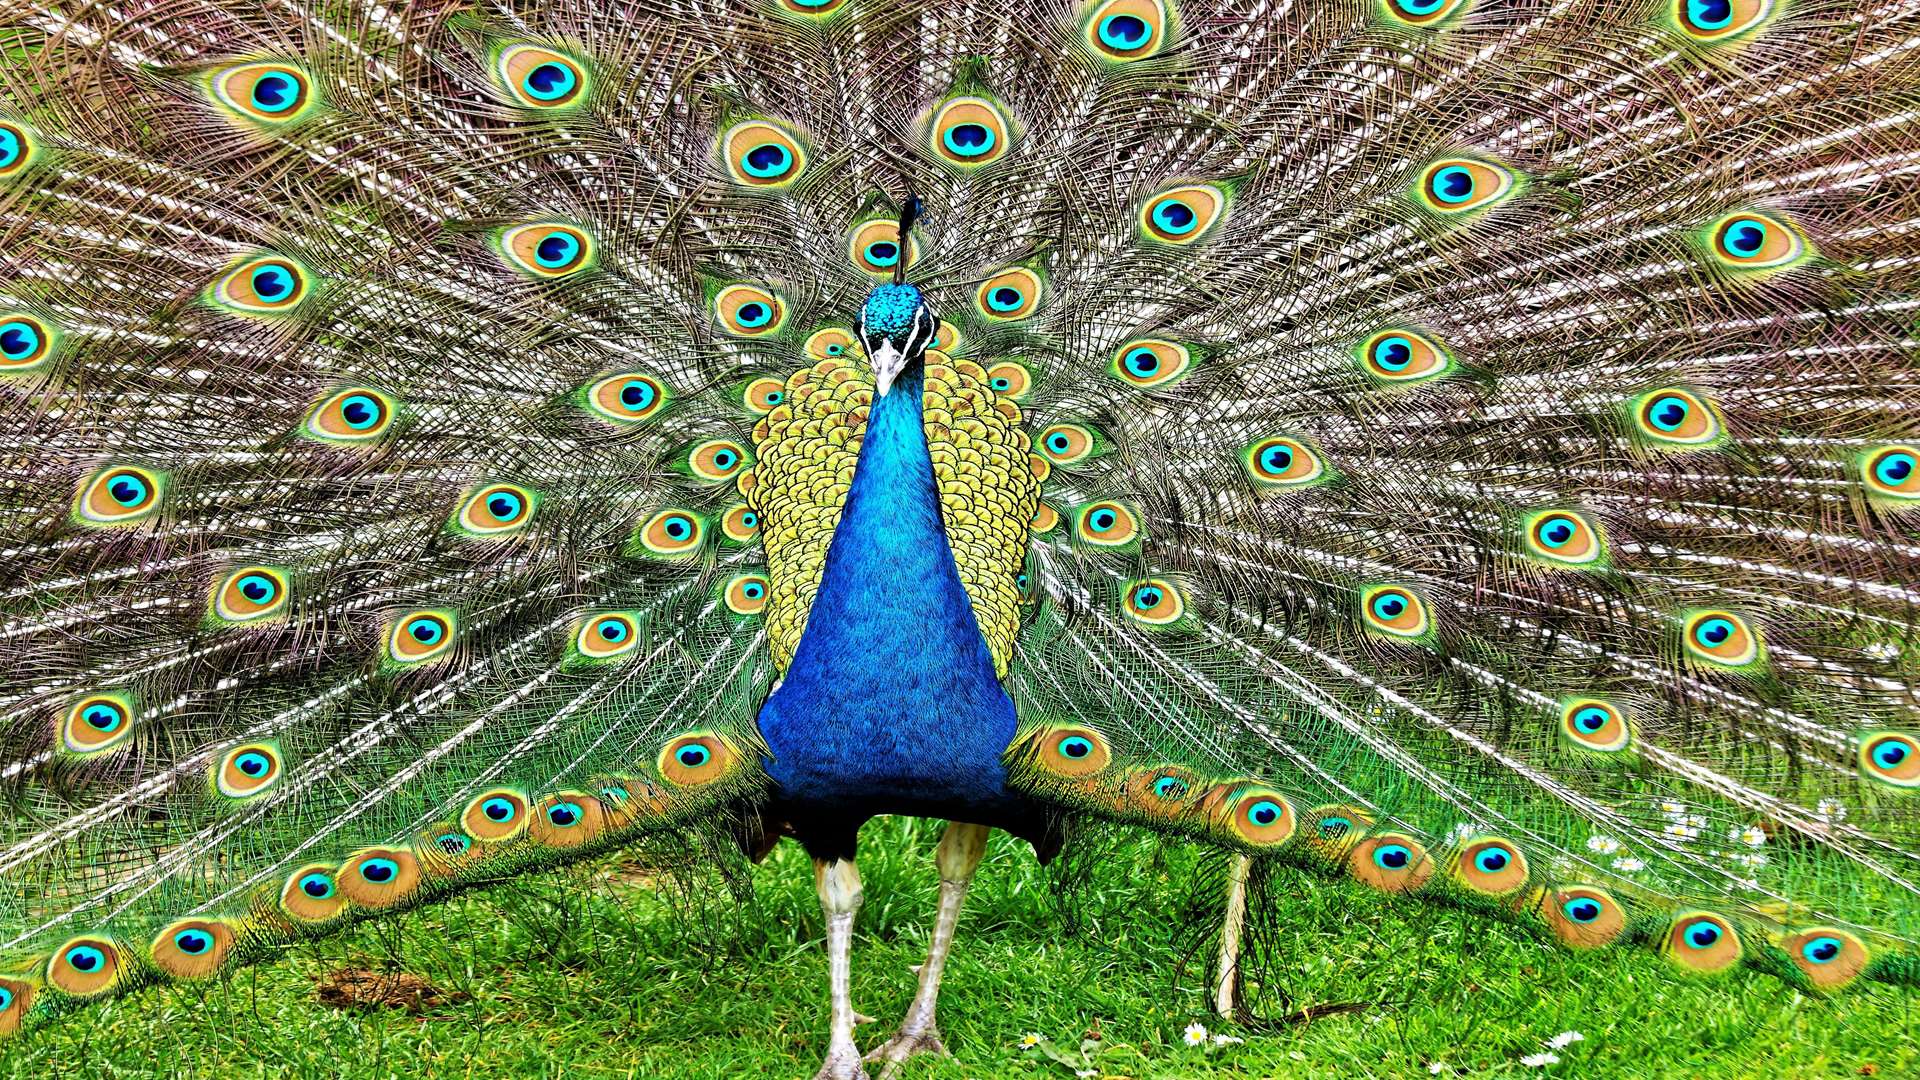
x,y
1468,449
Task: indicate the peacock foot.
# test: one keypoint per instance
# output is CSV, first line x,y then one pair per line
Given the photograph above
x,y
843,1063
909,1042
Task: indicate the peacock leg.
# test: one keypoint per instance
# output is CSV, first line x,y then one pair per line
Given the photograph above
x,y
1226,987
838,883
961,847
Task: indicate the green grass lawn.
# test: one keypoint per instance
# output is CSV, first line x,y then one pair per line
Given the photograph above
x,y
601,970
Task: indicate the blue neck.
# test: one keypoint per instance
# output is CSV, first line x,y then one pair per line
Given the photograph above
x,y
891,704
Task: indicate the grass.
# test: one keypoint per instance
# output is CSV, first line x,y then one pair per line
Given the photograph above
x,y
601,971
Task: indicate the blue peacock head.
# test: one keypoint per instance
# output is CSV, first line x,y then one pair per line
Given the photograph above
x,y
896,326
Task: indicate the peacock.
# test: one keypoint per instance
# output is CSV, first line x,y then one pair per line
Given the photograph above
x,y
1467,448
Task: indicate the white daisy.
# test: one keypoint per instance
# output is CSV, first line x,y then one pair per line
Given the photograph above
x,y
1832,811
1750,835
1628,864
1195,1034
1030,1040
1605,845
1540,1060
1565,1039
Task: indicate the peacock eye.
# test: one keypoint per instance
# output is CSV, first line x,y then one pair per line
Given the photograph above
x,y
746,594
564,814
1264,812
16,152
1013,293
97,723
971,132
420,636
1722,638
625,398
1402,356
265,285
547,249
86,958
716,459
1755,241
500,810
748,311
671,534
1183,215
266,94
1821,950
692,756
612,630
1395,612
1391,857
192,942
25,342
1154,602
1492,860
379,871
1713,21
758,153
318,886
1701,934
1581,909
1120,31
1422,13
1169,787
539,78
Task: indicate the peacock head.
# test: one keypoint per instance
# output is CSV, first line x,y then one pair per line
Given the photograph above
x,y
895,329
895,325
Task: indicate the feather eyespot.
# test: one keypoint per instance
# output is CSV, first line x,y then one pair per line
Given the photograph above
x,y
85,966
1390,862
1010,378
607,635
18,148
1395,611
1453,186
536,77
1714,21
379,877
831,343
250,594
696,759
266,285
1564,538
672,533
192,948
1013,293
26,343
746,594
1583,916
1490,866
420,636
1890,757
1751,240
567,819
749,311
312,894
1153,602
716,460
16,999
1828,956
1127,30
1675,418
356,414
1702,941
1161,791
875,248
495,816
1107,524
761,154
626,398
1593,724
1402,356
1282,462
1072,751
1333,830
1892,473
97,723
740,524
763,395
1151,362
546,250
970,132
946,337
1254,815
247,770
1722,639
120,495
271,94
1069,444
1422,13
1183,215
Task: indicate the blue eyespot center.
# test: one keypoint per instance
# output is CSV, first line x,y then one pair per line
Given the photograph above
x,y
750,519
768,160
1169,787
1591,719
499,810
693,755
380,871
969,140
271,282
360,412
452,843
1581,909
253,764
1453,185
127,489
1389,606
549,81
1556,532
1700,935
1264,812
1492,860
753,590
1668,413
1392,857
1894,469
1821,950
18,340
1147,597
1174,216
1746,237
274,93
564,814
1710,14
1393,354
678,528
102,716
1889,753
1142,361
1124,32
86,958
1713,632
1075,747
318,886
883,253
613,630
556,249
426,631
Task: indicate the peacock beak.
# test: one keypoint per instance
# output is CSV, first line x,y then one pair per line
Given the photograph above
x,y
888,361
